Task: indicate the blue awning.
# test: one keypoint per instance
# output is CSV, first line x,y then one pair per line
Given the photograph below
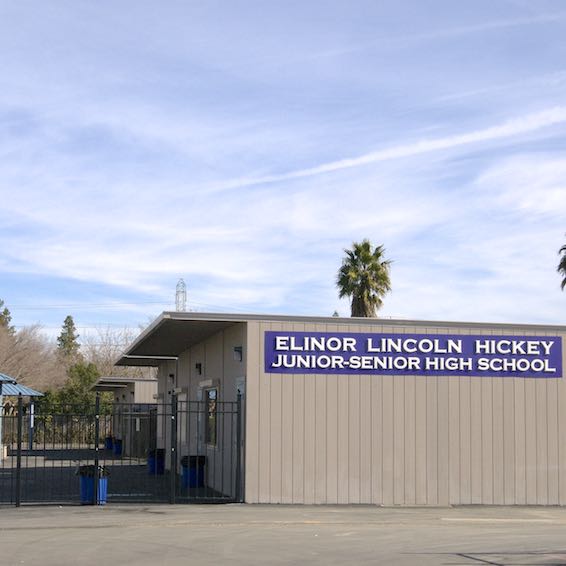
x,y
6,378
16,389
9,386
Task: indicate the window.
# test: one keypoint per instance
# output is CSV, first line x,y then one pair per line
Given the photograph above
x,y
211,421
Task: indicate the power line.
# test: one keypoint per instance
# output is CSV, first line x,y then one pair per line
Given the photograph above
x,y
94,306
81,327
87,305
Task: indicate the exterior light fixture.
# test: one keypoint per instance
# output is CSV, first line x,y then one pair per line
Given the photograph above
x,y
238,353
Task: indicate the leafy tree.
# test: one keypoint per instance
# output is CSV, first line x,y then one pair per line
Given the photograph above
x,y
6,318
364,276
77,390
76,396
49,402
31,358
67,342
106,346
562,266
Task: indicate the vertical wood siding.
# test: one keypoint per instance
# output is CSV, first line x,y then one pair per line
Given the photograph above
x,y
401,440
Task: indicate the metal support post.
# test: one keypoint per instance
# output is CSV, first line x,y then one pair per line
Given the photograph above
x,y
19,452
239,448
174,409
96,448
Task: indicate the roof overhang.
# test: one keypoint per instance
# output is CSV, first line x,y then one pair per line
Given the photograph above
x,y
112,383
10,387
171,334
174,332
16,389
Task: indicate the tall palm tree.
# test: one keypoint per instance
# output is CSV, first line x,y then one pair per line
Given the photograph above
x,y
562,265
364,276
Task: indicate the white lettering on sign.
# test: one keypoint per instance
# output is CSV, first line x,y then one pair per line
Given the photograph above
x,y
315,344
516,347
522,364
450,364
413,354
413,345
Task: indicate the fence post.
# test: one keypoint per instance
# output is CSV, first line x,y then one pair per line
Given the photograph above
x,y
96,454
173,485
239,448
19,452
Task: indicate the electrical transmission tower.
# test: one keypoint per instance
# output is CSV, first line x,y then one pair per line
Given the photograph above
x,y
181,297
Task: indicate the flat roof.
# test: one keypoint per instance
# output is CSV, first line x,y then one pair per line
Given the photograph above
x,y
171,333
111,383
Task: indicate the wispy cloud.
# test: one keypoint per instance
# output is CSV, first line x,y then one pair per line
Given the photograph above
x,y
493,25
514,127
138,149
446,33
556,79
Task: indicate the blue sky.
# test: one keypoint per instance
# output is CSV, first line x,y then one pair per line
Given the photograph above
x,y
243,145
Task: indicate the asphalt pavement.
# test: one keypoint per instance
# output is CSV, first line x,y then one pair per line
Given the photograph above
x,y
269,534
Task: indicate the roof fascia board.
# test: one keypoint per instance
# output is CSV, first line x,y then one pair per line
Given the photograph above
x,y
214,317
243,318
153,326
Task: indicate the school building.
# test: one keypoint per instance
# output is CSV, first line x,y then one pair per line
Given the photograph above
x,y
373,411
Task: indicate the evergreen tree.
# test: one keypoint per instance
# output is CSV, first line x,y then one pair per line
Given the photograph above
x,y
77,390
67,342
76,397
364,276
6,318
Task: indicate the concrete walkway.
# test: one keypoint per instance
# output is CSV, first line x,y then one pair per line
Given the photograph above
x,y
264,534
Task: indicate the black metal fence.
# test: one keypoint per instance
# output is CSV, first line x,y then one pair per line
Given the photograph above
x,y
182,451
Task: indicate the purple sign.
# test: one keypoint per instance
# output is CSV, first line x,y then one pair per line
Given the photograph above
x,y
413,354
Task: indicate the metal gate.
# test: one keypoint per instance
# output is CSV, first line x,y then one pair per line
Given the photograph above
x,y
177,452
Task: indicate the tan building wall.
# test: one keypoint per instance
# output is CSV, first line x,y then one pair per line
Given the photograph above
x,y
402,440
164,388
143,391
219,369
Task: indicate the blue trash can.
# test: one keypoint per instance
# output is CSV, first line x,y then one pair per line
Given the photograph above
x,y
108,443
193,468
156,461
118,446
87,491
87,473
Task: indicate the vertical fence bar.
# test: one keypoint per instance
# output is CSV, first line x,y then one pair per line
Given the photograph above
x,y
96,454
19,452
31,424
239,448
200,445
232,448
225,438
173,448
189,441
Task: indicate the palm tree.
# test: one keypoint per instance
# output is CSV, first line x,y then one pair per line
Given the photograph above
x,y
562,265
364,276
